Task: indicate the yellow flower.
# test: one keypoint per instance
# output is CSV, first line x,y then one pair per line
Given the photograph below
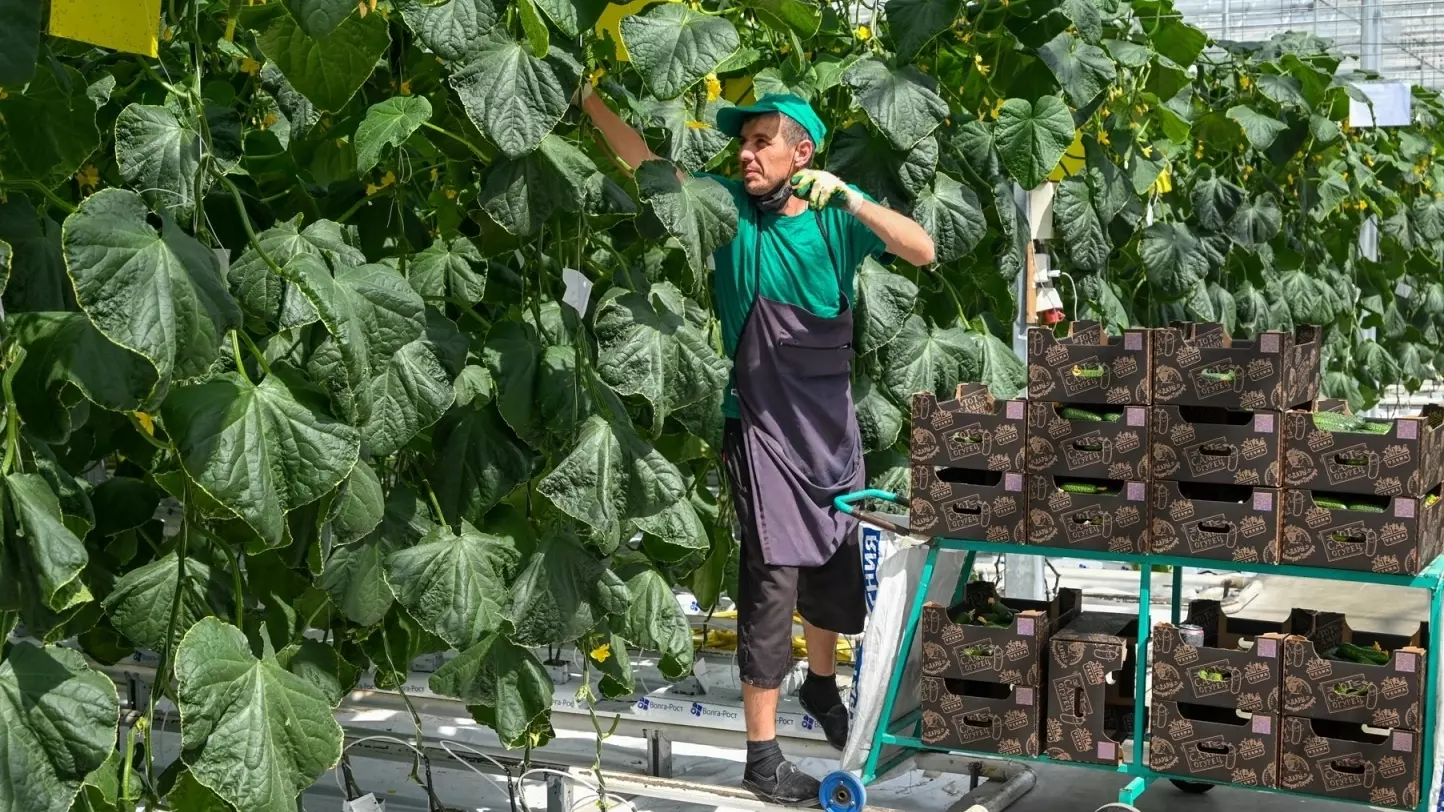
x,y
1363,205
406,87
1164,182
1244,82
450,193
698,125
862,33
1103,139
601,653
598,74
88,178
983,70
249,65
147,423
997,107
269,121
3,94
714,87
168,34
386,180
1114,92
435,173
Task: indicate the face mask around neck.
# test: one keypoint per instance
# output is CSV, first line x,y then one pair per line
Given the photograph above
x,y
776,199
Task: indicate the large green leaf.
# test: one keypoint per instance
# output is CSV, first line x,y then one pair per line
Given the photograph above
x,y
1168,33
1031,138
915,23
1082,70
1258,128
1087,18
677,526
1257,221
36,279
251,731
504,686
158,152
326,70
355,578
610,476
454,584
57,725
511,96
654,620
1076,218
924,359
673,46
139,605
801,17
357,507
692,142
1215,199
20,39
412,392
478,462
453,29
521,194
259,450
388,123
65,349
868,160
1002,370
902,102
878,419
562,593
267,296
49,128
42,558
572,17
157,293
319,18
536,386
698,212
951,214
654,353
884,302
451,269
1174,259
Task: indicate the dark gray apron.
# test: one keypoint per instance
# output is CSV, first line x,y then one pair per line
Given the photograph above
x,y
799,428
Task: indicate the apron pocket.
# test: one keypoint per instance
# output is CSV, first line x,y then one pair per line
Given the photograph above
x,y
815,362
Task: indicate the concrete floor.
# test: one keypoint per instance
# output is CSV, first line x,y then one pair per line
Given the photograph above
x,y
1065,789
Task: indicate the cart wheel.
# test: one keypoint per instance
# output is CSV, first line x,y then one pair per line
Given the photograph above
x,y
1192,787
1117,808
842,792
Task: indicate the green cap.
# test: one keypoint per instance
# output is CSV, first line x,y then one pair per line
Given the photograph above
x,y
729,119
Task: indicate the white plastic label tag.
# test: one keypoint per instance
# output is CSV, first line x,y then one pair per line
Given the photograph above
x,y
579,290
366,803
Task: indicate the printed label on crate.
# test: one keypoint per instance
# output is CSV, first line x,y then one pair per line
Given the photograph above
x,y
1200,364
1088,366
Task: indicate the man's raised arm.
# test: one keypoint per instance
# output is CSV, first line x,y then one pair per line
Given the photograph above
x,y
902,236
626,142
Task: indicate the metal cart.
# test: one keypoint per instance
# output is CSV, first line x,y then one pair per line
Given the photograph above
x,y
898,730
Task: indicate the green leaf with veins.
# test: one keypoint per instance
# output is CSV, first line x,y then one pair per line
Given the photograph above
x,y
522,194
503,686
915,23
866,159
878,419
536,387
1215,199
451,269
699,212
388,123
454,583
654,354
453,29
251,731
1258,128
20,40
1256,221
326,70
410,394
511,96
572,17
692,143
139,603
269,297
654,620
673,46
260,450
156,293
1082,70
319,18
358,505
1002,370
57,724
41,558
36,278
477,462
562,592
951,214
1173,258
677,525
901,102
49,127
355,578
1084,238
801,17
1088,19
923,359
884,300
1031,138
158,151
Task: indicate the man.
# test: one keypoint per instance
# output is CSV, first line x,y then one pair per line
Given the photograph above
x,y
782,289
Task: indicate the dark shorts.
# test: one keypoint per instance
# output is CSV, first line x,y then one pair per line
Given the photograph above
x,y
830,597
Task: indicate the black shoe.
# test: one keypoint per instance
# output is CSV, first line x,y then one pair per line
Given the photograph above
x,y
789,786
834,721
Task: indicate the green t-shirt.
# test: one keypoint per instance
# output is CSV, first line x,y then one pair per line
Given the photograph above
x,y
796,268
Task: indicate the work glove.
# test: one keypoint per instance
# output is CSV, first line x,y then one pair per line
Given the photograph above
x,y
823,189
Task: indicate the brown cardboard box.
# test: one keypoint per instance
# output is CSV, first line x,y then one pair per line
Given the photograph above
x,y
1088,365
1207,444
1011,655
1219,744
981,717
1251,677
1201,365
1402,539
1407,461
1115,522
1219,522
1101,449
1081,725
963,504
1344,761
1381,696
971,431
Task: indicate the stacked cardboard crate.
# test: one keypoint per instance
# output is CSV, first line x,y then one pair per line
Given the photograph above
x,y
1363,495
1215,707
1351,730
1217,441
967,466
1087,457
1090,681
982,685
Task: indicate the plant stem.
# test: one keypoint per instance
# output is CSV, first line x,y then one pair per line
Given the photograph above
x,y
246,223
475,150
255,352
363,201
162,677
12,413
54,199
240,362
239,587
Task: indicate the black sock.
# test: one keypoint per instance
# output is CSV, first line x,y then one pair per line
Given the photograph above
x,y
820,693
763,758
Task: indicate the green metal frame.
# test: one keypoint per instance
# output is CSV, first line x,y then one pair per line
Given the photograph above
x,y
903,733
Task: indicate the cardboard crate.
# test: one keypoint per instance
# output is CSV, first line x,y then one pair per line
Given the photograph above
x,y
1402,539
1012,655
1088,365
1208,444
1252,676
981,717
1343,761
1383,696
964,504
1201,365
1217,522
1406,461
1080,447
971,431
1084,720
1116,523
1219,744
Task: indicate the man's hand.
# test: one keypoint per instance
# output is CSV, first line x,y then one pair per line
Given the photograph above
x,y
826,189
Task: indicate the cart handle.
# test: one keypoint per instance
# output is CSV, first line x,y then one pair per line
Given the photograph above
x,y
846,503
